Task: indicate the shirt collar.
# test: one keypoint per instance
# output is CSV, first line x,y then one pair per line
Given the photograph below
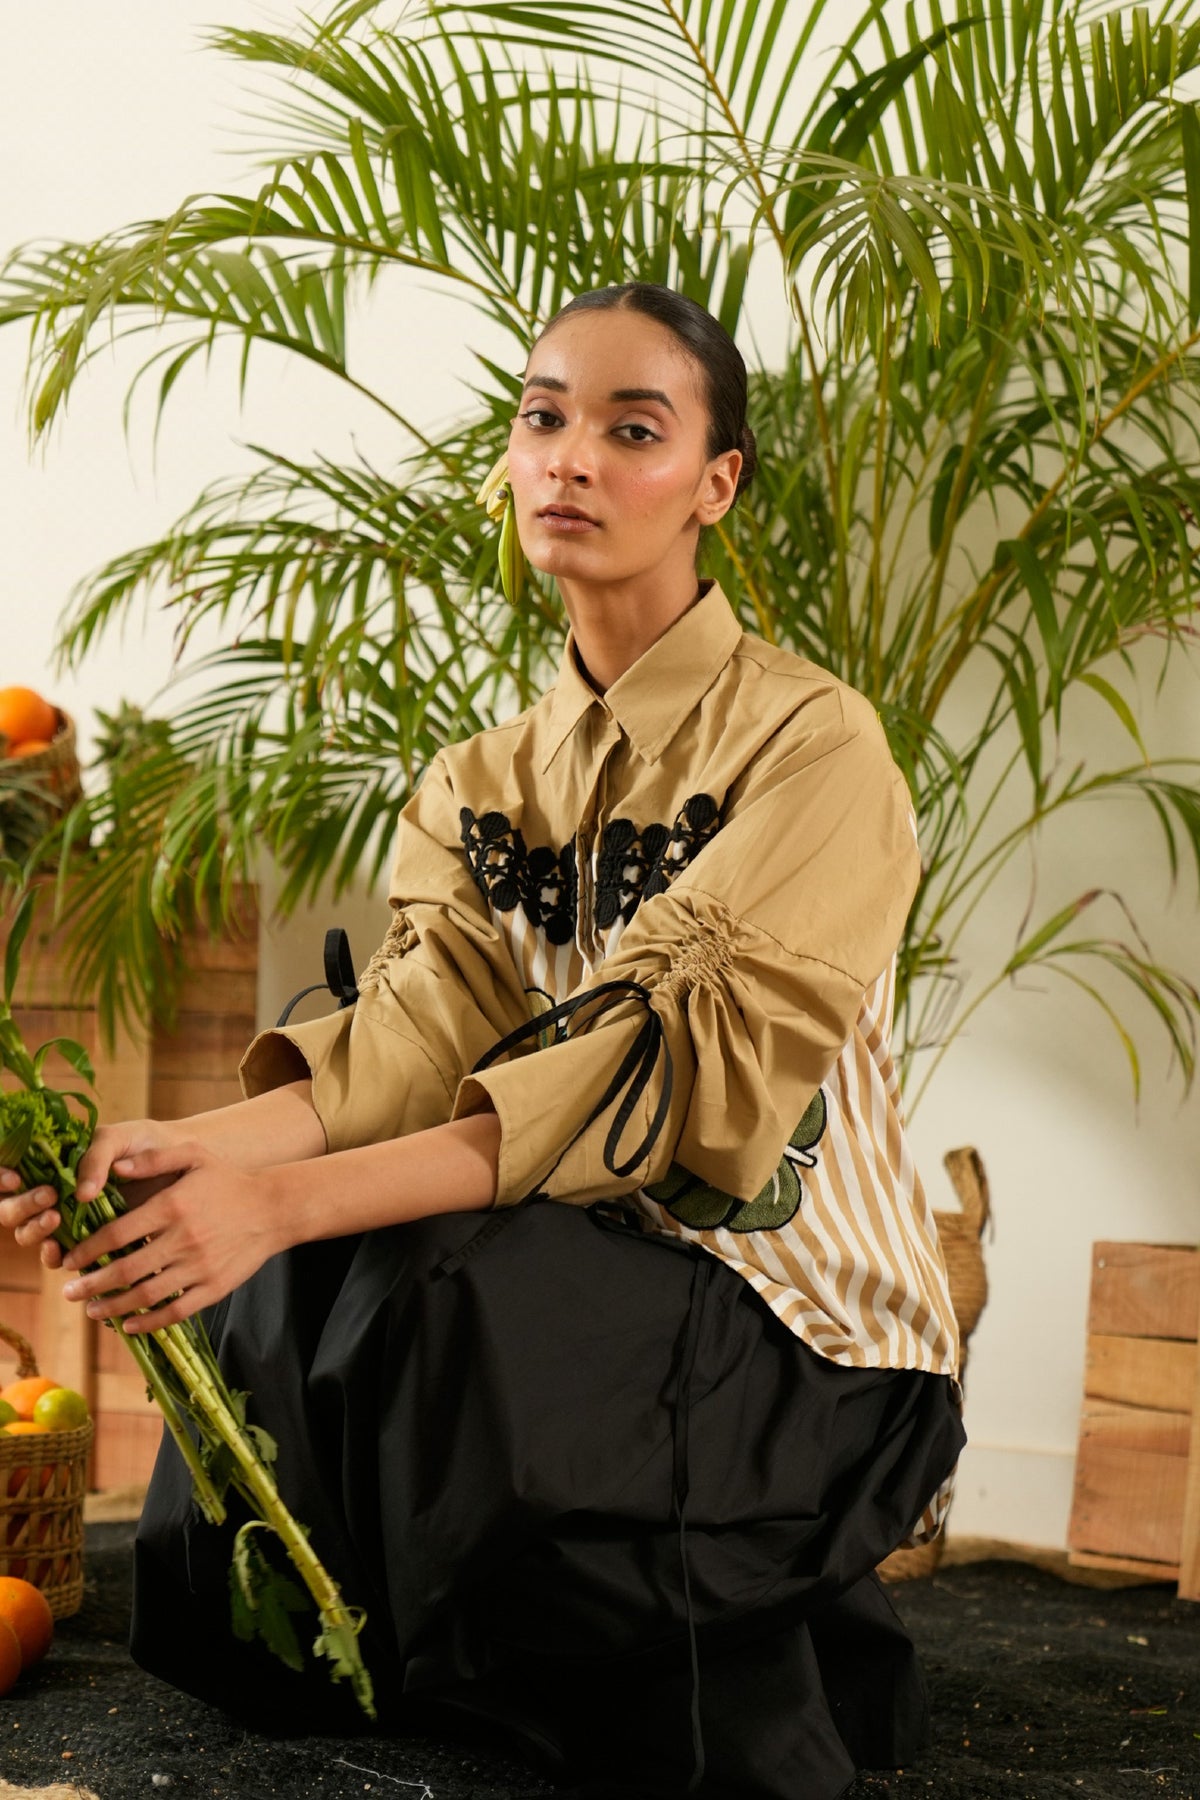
x,y
654,696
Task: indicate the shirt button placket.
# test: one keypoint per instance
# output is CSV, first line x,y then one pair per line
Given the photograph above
x,y
590,943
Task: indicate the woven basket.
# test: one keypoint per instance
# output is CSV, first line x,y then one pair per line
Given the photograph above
x,y
57,767
960,1235
43,1478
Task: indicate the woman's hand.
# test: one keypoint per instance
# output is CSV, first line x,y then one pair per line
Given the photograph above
x,y
33,1217
203,1228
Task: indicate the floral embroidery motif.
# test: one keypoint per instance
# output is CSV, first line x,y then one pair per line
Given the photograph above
x,y
633,865
704,1208
508,875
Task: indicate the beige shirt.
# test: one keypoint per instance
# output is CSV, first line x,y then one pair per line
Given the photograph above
x,y
712,862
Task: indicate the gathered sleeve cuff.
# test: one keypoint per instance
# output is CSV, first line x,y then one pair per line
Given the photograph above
x,y
729,997
436,994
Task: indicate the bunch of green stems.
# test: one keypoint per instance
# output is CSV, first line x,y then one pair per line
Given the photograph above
x,y
44,1134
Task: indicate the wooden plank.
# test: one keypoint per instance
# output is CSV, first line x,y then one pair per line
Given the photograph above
x,y
126,1449
1125,1565
123,1077
203,1045
21,1311
1136,1427
180,1099
20,1270
220,991
1128,1503
1189,1556
1145,1290
1154,1372
110,1357
232,954
123,1393
64,1339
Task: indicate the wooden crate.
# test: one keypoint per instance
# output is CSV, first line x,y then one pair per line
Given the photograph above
x,y
1137,1477
172,1074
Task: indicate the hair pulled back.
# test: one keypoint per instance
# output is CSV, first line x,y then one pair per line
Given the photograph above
x,y
706,342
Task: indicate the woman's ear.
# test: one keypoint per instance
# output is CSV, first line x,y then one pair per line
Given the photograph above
x,y
718,491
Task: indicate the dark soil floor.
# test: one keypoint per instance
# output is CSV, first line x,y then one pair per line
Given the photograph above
x,y
1039,1688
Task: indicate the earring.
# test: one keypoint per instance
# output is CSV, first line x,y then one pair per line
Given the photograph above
x,y
495,496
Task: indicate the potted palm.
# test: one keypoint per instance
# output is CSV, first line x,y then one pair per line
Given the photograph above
x,y
979,477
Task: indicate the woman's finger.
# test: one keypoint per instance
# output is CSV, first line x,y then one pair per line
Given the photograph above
x,y
129,1228
37,1229
22,1207
157,1160
51,1255
123,1272
181,1307
136,1298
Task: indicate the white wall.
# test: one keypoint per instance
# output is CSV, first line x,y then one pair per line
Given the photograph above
x,y
115,115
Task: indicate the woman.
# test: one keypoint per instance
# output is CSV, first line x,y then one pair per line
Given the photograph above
x,y
614,1472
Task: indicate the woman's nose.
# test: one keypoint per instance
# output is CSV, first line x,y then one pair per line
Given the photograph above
x,y
570,459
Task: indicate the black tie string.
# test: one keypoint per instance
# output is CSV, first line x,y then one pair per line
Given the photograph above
x,y
339,976
635,1070
633,1076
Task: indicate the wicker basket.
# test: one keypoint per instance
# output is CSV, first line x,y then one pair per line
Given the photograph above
x,y
960,1235
43,1478
57,767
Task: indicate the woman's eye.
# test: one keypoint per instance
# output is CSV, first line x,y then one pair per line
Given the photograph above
x,y
539,418
646,435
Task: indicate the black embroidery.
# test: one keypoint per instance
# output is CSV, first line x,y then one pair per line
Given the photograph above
x,y
634,865
631,866
508,875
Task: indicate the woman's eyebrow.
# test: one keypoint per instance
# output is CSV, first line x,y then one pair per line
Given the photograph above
x,y
553,383
643,394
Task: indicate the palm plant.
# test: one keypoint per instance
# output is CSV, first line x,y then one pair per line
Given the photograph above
x,y
979,480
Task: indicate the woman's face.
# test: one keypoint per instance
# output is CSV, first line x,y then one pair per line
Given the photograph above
x,y
607,457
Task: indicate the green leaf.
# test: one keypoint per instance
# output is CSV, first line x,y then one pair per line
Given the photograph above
x,y
72,1053
339,1644
17,933
1189,126
18,1136
263,1600
1031,949
1109,694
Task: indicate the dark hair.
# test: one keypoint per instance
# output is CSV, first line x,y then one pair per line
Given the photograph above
x,y
707,342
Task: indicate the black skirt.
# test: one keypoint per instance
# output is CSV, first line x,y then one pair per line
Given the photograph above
x,y
586,1485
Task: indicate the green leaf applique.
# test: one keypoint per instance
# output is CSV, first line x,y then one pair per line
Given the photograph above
x,y
703,1208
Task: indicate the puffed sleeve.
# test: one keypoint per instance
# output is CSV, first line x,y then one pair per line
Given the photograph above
x,y
730,995
436,994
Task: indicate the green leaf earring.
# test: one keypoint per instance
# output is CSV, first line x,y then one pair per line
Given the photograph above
x,y
495,496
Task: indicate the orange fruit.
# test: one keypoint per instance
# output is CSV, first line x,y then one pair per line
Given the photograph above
x,y
24,715
26,1611
11,1662
60,1409
19,1477
30,747
24,1393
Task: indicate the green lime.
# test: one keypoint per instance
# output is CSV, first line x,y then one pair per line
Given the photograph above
x,y
7,1413
60,1409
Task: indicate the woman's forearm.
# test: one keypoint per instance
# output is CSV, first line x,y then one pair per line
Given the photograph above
x,y
277,1127
447,1168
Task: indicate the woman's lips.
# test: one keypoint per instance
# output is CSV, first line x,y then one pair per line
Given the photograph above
x,y
568,524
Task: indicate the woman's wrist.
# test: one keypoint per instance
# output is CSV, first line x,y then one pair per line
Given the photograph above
x,y
446,1168
285,1215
